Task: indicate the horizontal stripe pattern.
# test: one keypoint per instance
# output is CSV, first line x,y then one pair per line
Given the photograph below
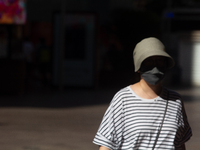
x,y
131,122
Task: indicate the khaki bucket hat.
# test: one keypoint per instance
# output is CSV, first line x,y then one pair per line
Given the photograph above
x,y
150,47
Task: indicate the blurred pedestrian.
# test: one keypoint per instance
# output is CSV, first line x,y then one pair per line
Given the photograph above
x,y
146,115
28,50
29,54
44,62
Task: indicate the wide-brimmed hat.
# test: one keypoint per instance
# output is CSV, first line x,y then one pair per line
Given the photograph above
x,y
150,47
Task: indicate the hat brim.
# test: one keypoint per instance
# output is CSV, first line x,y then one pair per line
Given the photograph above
x,y
144,56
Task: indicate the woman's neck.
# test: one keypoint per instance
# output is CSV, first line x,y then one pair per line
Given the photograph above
x,y
151,90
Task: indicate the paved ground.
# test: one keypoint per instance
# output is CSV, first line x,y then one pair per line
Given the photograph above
x,y
60,121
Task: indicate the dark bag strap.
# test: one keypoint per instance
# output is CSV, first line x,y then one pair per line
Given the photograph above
x,y
162,121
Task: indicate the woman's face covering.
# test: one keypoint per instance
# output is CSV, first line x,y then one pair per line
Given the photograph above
x,y
153,69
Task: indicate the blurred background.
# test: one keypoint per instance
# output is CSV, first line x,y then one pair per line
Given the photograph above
x,y
59,54
89,44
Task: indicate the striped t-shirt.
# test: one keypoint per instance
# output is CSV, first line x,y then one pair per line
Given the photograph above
x,y
132,123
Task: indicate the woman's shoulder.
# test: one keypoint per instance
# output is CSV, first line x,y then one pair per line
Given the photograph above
x,y
122,96
172,94
123,91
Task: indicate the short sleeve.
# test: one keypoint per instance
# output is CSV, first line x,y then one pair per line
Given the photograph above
x,y
184,132
187,131
108,134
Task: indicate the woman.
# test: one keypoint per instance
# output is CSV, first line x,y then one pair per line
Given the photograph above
x,y
145,115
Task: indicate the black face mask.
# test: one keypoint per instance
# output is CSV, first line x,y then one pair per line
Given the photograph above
x,y
153,76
